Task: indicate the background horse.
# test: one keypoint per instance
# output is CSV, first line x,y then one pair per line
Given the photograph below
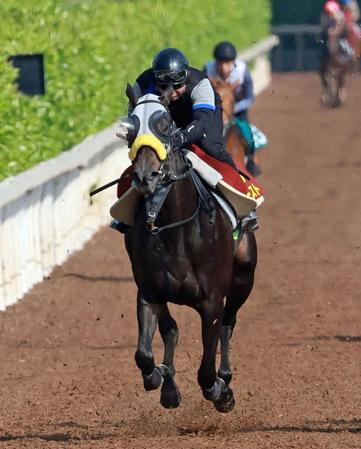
x,y
234,141
334,65
235,144
183,253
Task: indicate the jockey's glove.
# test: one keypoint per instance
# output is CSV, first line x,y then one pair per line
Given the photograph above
x,y
179,139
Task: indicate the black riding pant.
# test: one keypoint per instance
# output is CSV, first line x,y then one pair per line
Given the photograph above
x,y
212,141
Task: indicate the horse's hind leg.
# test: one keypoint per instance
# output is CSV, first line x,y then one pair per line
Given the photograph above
x,y
242,283
211,314
148,314
170,396
325,88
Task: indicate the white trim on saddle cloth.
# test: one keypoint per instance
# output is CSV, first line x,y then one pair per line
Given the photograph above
x,y
242,204
124,208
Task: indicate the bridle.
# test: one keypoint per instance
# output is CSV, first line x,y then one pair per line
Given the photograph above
x,y
167,178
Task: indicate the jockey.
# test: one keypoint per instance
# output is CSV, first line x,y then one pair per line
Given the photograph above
x,y
351,12
333,25
225,67
332,18
195,107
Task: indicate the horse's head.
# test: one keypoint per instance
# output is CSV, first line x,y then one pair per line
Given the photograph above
x,y
226,91
148,130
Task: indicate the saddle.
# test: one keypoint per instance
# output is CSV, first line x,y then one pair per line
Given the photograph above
x,y
240,189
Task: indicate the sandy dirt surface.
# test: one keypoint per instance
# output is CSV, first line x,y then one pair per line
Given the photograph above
x,y
68,377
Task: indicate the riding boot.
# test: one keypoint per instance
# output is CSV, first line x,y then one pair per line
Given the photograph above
x,y
252,167
246,131
119,226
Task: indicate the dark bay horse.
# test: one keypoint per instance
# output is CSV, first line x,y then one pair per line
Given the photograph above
x,y
183,253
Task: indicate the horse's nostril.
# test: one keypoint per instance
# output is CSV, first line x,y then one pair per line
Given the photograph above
x,y
154,174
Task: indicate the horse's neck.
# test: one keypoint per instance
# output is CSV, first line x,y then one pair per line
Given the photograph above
x,y
227,96
235,144
181,202
334,44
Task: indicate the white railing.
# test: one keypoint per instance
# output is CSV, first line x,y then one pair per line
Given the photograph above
x,y
258,55
46,213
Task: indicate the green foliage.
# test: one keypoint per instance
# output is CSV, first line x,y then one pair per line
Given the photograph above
x,y
92,49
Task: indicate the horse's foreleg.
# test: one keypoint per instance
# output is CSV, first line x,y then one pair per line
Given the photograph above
x,y
147,323
211,315
170,396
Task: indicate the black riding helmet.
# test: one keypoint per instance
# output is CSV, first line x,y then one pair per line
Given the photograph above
x,y
225,51
170,66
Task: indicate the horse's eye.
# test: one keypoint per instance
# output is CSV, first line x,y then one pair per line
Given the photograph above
x,y
163,125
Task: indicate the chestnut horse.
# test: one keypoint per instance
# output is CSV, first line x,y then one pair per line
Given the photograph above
x,y
182,251
235,143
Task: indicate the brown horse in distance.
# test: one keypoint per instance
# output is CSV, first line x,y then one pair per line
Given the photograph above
x,y
335,64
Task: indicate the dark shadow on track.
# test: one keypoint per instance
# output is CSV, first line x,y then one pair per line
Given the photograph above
x,y
342,338
99,278
332,426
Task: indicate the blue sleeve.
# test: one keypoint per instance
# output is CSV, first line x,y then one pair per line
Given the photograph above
x,y
248,95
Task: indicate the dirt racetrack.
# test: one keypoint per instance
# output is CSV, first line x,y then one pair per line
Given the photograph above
x,y
68,377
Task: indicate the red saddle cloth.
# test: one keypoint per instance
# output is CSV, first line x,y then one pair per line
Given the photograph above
x,y
125,181
244,182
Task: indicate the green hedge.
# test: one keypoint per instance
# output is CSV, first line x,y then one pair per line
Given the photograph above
x,y
92,49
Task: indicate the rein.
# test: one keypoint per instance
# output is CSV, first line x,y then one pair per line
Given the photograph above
x,y
155,202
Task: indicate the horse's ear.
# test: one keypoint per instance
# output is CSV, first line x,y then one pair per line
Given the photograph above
x,y
130,93
166,95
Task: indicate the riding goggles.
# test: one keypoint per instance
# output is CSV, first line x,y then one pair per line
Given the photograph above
x,y
176,78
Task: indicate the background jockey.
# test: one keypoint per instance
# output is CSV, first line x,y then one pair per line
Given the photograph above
x,y
225,67
334,25
195,107
332,18
351,11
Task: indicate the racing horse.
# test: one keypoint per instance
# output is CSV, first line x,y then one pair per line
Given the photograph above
x,y
234,141
334,65
181,251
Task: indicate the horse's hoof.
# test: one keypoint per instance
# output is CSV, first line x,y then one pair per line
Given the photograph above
x,y
214,393
170,396
226,402
153,380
